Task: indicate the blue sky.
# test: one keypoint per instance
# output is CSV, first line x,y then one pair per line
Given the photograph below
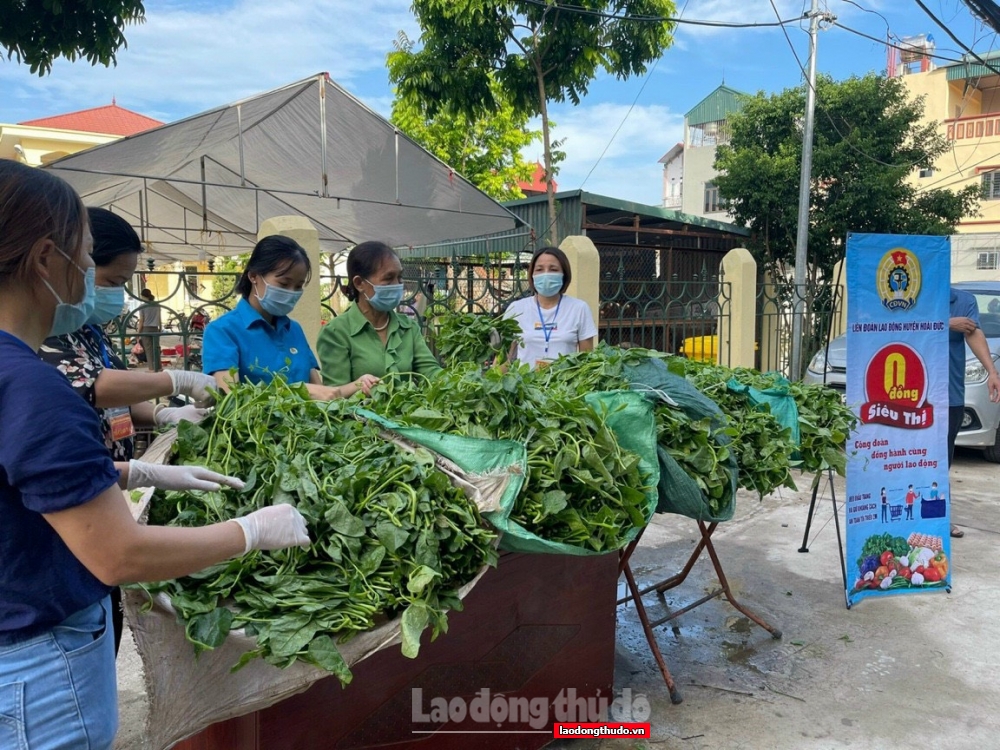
x,y
193,55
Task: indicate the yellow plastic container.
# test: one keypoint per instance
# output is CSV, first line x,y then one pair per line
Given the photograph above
x,y
701,348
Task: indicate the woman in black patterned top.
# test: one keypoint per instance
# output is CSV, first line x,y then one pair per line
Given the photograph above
x,y
121,397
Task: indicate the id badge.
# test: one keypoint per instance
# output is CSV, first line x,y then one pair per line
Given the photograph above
x,y
541,364
120,419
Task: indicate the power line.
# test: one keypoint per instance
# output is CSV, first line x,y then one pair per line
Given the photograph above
x,y
621,124
991,157
660,19
957,41
987,11
629,112
828,116
893,46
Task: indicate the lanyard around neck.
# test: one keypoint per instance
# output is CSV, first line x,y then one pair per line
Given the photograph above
x,y
100,344
548,328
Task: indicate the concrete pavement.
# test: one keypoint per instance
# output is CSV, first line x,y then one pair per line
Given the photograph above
x,y
903,672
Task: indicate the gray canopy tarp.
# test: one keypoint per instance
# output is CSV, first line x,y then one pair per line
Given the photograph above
x,y
201,187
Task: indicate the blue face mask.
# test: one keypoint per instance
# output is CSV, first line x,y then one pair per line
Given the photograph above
x,y
71,317
387,297
548,284
108,304
278,301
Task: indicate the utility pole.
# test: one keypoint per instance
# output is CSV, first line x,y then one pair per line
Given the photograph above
x,y
805,182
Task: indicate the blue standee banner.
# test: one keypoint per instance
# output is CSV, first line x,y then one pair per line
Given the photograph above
x,y
898,289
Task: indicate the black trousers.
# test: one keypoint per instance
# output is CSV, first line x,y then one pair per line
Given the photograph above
x,y
955,414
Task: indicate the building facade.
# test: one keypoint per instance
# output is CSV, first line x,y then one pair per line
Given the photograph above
x,y
689,167
964,100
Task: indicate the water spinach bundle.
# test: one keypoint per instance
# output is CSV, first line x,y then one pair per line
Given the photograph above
x,y
764,448
583,488
391,536
464,337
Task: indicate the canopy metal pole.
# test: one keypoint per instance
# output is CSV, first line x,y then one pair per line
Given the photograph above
x,y
204,198
143,200
322,137
395,141
239,128
805,182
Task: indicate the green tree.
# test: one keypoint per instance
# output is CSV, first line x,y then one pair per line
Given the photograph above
x,y
36,32
537,51
869,137
485,149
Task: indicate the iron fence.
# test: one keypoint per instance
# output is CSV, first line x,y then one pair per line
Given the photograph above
x,y
187,301
776,304
639,304
663,298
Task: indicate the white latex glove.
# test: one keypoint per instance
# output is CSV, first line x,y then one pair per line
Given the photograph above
x,y
142,474
193,384
174,414
274,527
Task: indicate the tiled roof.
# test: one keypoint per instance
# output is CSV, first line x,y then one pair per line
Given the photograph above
x,y
108,120
537,183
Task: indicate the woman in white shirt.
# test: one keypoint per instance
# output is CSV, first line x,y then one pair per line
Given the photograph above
x,y
552,323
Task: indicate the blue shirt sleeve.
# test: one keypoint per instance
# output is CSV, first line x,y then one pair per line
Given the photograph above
x,y
52,450
306,352
220,350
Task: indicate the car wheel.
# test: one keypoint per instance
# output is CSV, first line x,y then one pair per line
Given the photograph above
x,y
992,454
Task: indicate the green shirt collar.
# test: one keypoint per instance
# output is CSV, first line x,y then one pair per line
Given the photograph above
x,y
356,321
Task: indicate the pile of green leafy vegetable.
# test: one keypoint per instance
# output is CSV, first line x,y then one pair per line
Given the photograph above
x,y
763,447
464,337
700,446
582,488
391,536
825,422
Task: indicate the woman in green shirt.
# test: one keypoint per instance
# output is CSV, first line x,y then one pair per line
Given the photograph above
x,y
370,338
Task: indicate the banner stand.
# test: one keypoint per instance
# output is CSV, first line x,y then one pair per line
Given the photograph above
x,y
836,519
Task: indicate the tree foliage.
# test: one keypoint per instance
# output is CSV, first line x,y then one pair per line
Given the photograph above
x,y
530,51
869,138
484,148
36,32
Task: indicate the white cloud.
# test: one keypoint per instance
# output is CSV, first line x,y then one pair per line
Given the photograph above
x,y
735,11
186,59
629,169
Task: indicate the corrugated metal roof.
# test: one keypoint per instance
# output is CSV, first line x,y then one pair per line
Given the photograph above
x,y
972,69
716,107
534,212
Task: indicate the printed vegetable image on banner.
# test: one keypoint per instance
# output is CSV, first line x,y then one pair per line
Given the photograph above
x,y
898,498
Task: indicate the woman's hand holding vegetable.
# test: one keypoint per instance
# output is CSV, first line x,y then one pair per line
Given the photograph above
x,y
364,384
142,474
274,527
194,385
330,393
171,415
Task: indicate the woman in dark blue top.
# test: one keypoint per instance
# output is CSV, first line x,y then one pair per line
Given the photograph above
x,y
68,535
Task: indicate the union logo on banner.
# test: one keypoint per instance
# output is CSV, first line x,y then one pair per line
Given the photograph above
x,y
896,389
899,279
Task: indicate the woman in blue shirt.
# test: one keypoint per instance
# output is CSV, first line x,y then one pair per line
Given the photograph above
x,y
257,338
68,535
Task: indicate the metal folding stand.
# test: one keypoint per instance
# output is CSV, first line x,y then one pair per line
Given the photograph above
x,y
705,543
836,519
